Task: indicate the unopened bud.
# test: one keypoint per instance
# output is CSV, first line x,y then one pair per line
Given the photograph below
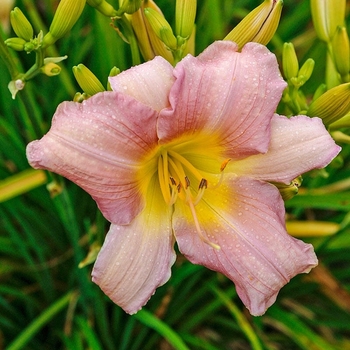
x,y
149,43
185,14
290,61
290,190
161,27
341,51
20,24
327,15
312,228
259,25
66,15
113,72
87,80
332,105
129,7
103,6
16,43
305,71
51,69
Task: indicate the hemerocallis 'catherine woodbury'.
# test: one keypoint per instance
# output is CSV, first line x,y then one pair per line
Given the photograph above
x,y
187,154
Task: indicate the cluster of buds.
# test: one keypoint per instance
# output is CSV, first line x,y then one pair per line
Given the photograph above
x,y
329,22
296,77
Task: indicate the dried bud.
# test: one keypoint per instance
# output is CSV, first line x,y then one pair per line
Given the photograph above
x,y
21,25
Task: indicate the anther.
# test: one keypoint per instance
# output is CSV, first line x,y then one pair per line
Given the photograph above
x,y
202,184
187,180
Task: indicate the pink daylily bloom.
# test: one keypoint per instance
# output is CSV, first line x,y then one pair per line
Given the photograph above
x,y
186,154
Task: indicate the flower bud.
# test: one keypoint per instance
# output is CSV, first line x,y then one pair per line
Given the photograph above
x,y
312,228
87,80
112,73
290,190
185,14
66,15
21,25
149,43
259,25
129,7
16,43
51,69
341,51
332,105
327,15
103,6
161,27
289,61
305,71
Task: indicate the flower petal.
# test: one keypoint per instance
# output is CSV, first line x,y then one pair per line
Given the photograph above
x,y
225,91
136,259
245,217
148,83
298,144
98,145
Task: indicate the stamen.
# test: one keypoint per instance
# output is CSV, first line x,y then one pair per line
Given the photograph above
x,y
163,182
203,185
188,183
187,164
222,168
174,191
199,231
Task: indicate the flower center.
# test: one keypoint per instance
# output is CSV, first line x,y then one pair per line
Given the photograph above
x,y
176,175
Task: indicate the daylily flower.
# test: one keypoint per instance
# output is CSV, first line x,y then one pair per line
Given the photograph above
x,y
187,154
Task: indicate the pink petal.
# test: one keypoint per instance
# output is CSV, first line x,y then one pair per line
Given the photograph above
x,y
136,259
232,93
245,217
98,145
298,145
148,83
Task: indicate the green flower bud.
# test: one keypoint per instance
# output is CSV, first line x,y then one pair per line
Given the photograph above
x,y
161,27
129,7
290,190
103,6
312,228
185,14
322,88
289,61
340,137
259,25
305,71
149,43
87,80
332,105
341,51
66,15
113,72
327,15
21,25
16,43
